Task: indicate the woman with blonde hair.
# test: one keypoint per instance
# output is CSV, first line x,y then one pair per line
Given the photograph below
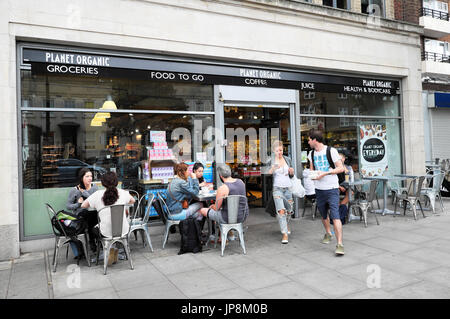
x,y
282,170
180,191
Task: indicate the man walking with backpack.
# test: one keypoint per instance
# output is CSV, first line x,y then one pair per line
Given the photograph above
x,y
326,164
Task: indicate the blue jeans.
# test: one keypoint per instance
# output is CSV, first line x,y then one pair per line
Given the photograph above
x,y
192,210
280,196
328,199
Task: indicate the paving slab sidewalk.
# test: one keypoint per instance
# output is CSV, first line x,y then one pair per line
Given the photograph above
x,y
401,258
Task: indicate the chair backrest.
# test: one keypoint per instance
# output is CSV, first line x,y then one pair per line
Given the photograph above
x,y
372,190
148,207
419,186
164,207
52,213
117,214
438,179
137,210
233,202
136,206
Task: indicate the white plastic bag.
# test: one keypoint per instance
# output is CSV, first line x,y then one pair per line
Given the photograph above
x,y
297,188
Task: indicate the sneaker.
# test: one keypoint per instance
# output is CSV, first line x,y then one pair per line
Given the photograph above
x,y
339,249
284,240
326,239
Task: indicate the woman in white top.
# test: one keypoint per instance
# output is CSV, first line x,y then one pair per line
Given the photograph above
x,y
282,171
106,197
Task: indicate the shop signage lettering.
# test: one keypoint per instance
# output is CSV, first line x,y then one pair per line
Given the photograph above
x,y
255,82
378,84
307,86
371,90
260,74
353,89
55,68
53,57
171,76
50,61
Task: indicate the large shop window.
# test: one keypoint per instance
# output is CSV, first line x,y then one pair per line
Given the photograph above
x,y
62,91
350,104
349,136
140,147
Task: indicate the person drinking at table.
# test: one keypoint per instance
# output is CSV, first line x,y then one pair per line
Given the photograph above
x,y
77,196
231,186
198,171
111,195
181,190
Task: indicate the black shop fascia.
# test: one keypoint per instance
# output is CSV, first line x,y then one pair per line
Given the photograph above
x,y
96,65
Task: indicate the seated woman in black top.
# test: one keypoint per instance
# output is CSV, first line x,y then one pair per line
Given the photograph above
x,y
198,171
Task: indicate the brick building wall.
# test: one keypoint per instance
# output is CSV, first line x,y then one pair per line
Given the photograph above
x,y
407,10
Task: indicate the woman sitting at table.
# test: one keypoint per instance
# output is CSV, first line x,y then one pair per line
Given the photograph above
x,y
198,171
77,196
106,197
181,189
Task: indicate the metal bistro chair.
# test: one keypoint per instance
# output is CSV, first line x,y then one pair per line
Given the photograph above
x,y
432,192
411,198
232,202
140,223
313,207
365,205
61,238
164,212
118,233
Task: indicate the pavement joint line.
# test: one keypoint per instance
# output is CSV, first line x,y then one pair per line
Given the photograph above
x,y
168,279
48,274
9,278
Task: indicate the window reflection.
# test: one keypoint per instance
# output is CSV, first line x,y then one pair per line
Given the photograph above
x,y
55,148
64,91
354,104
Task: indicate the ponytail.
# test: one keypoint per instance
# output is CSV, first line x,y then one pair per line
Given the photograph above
x,y
111,195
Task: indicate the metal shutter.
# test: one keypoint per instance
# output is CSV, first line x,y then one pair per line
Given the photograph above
x,y
440,133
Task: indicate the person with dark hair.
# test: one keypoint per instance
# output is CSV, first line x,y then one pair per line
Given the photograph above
x,y
198,171
83,190
180,191
77,196
325,165
111,195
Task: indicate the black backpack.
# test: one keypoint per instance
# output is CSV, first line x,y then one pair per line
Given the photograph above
x,y
190,231
341,176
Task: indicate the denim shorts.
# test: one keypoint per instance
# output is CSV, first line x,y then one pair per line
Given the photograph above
x,y
328,199
280,194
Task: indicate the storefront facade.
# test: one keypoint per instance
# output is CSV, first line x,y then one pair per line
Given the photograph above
x,y
181,96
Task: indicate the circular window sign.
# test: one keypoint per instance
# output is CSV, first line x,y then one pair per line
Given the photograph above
x,y
373,150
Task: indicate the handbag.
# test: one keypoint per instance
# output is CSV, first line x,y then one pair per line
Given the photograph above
x,y
297,188
184,202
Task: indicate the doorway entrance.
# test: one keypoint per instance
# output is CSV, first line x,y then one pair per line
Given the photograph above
x,y
250,133
250,128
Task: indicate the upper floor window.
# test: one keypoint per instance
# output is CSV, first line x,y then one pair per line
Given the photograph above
x,y
373,7
341,4
436,5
